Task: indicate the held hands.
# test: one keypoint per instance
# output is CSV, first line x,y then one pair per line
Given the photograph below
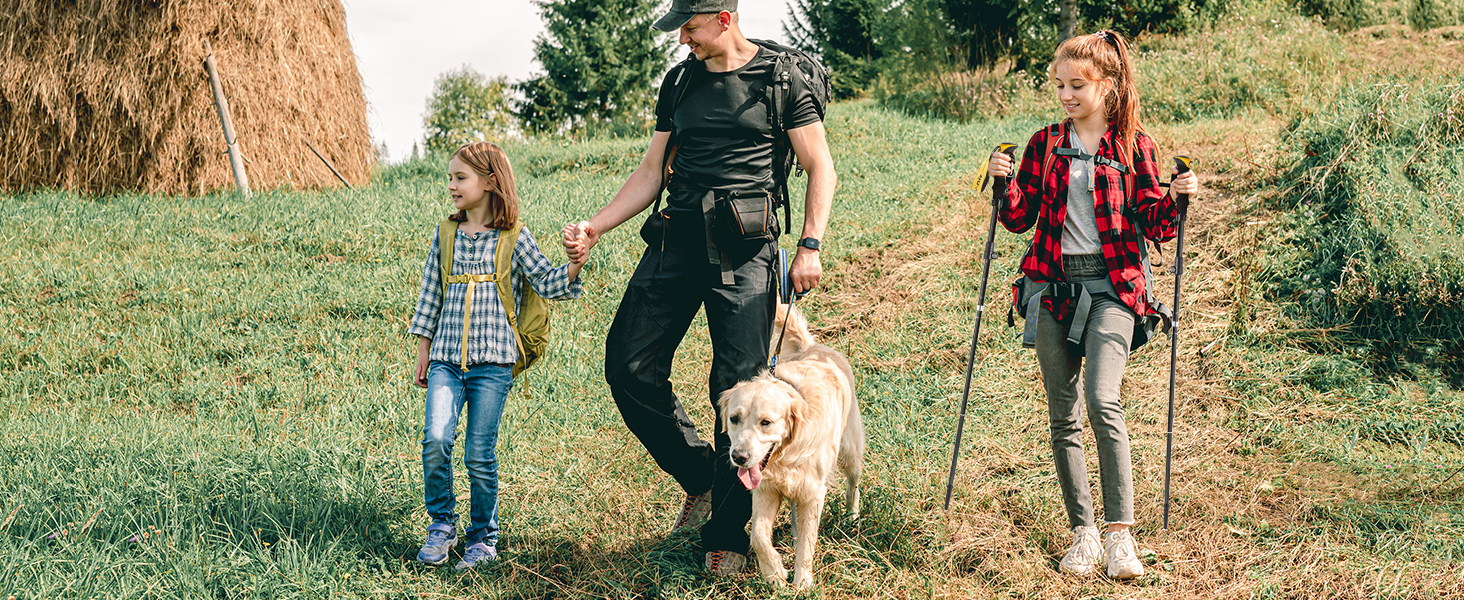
x,y
577,239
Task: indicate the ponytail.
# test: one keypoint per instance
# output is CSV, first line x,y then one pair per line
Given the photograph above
x,y
1103,55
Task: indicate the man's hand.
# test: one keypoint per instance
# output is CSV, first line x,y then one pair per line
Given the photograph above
x,y
807,270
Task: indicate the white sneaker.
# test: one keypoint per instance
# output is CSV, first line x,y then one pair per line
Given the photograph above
x,y
1084,553
1121,555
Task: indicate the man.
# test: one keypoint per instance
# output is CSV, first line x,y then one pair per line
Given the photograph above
x,y
723,147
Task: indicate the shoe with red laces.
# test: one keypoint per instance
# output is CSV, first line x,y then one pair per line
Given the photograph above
x,y
725,562
694,511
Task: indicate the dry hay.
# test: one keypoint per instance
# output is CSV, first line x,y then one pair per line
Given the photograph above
x,y
103,95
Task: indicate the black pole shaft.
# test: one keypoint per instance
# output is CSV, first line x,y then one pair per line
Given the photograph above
x,y
998,191
1173,357
1183,201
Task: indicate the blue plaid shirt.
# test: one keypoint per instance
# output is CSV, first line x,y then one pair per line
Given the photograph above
x,y
491,340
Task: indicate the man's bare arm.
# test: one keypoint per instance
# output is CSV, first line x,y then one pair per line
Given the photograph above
x,y
638,192
812,150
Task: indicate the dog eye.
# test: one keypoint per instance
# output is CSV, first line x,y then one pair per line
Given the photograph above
x,y
734,420
766,422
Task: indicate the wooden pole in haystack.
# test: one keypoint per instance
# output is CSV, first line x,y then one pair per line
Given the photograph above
x,y
236,160
328,165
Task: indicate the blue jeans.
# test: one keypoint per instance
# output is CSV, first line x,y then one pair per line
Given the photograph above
x,y
484,388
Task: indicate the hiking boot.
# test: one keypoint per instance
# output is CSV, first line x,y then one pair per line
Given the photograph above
x,y
1122,556
441,537
477,554
725,562
694,511
1084,553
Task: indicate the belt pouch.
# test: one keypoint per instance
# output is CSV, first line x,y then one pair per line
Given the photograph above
x,y
744,217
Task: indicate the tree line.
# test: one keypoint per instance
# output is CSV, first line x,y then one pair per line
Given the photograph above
x,y
602,61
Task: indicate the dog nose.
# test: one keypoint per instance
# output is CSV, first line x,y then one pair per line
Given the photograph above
x,y
740,458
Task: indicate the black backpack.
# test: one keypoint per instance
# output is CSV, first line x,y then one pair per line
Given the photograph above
x,y
790,62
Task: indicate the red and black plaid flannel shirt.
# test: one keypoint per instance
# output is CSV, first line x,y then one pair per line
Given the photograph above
x,y
1120,220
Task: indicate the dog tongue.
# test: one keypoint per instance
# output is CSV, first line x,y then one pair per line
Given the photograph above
x,y
750,477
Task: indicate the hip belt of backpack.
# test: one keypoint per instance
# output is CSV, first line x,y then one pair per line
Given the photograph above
x,y
1032,293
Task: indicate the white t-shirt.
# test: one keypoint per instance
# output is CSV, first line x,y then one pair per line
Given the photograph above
x,y
1080,229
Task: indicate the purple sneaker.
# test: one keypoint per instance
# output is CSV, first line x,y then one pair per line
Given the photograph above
x,y
477,554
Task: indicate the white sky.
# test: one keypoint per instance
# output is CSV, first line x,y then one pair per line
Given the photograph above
x,y
401,47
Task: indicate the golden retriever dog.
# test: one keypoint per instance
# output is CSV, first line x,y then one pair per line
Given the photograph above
x,y
790,429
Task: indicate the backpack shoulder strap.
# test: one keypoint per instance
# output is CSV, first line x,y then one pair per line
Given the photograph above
x,y
503,269
446,241
1055,132
679,84
777,91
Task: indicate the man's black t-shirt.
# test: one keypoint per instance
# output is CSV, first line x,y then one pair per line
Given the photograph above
x,y
724,139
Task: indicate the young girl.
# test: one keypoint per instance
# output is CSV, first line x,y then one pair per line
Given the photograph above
x,y
474,367
1091,220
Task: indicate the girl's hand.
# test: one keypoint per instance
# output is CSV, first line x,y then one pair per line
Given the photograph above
x,y
569,238
1185,184
575,241
424,350
420,378
1000,165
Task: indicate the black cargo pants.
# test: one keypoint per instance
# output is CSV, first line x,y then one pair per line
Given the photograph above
x,y
674,280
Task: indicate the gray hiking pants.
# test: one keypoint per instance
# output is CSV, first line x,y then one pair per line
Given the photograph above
x,y
1106,340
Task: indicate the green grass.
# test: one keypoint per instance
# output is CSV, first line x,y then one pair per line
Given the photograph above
x,y
210,397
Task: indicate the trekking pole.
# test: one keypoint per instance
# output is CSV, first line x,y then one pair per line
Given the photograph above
x,y
1182,164
999,189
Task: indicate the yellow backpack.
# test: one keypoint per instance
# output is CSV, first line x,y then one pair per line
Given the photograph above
x,y
530,326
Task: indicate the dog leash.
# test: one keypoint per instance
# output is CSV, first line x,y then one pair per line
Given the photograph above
x,y
785,280
773,362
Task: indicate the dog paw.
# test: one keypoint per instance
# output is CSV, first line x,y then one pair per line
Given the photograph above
x,y
803,582
777,580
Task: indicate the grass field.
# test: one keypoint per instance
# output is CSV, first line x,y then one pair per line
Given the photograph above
x,y
211,397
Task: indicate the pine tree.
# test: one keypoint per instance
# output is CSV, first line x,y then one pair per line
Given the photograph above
x,y
841,34
601,61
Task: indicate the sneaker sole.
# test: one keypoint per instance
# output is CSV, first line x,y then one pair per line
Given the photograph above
x,y
1132,575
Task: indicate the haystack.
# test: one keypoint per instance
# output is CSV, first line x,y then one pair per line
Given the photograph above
x,y
99,96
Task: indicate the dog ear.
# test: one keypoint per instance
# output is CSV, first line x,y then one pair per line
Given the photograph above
x,y
796,407
722,409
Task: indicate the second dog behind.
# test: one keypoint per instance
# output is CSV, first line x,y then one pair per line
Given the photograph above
x,y
791,429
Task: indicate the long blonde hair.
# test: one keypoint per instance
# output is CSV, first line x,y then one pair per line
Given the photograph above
x,y
487,159
1099,56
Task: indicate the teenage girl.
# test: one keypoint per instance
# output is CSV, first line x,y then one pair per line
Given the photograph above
x,y
475,369
1090,228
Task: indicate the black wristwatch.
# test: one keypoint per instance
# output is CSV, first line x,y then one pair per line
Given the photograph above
x,y
808,242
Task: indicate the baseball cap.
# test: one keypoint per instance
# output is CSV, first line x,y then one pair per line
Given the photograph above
x,y
683,10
